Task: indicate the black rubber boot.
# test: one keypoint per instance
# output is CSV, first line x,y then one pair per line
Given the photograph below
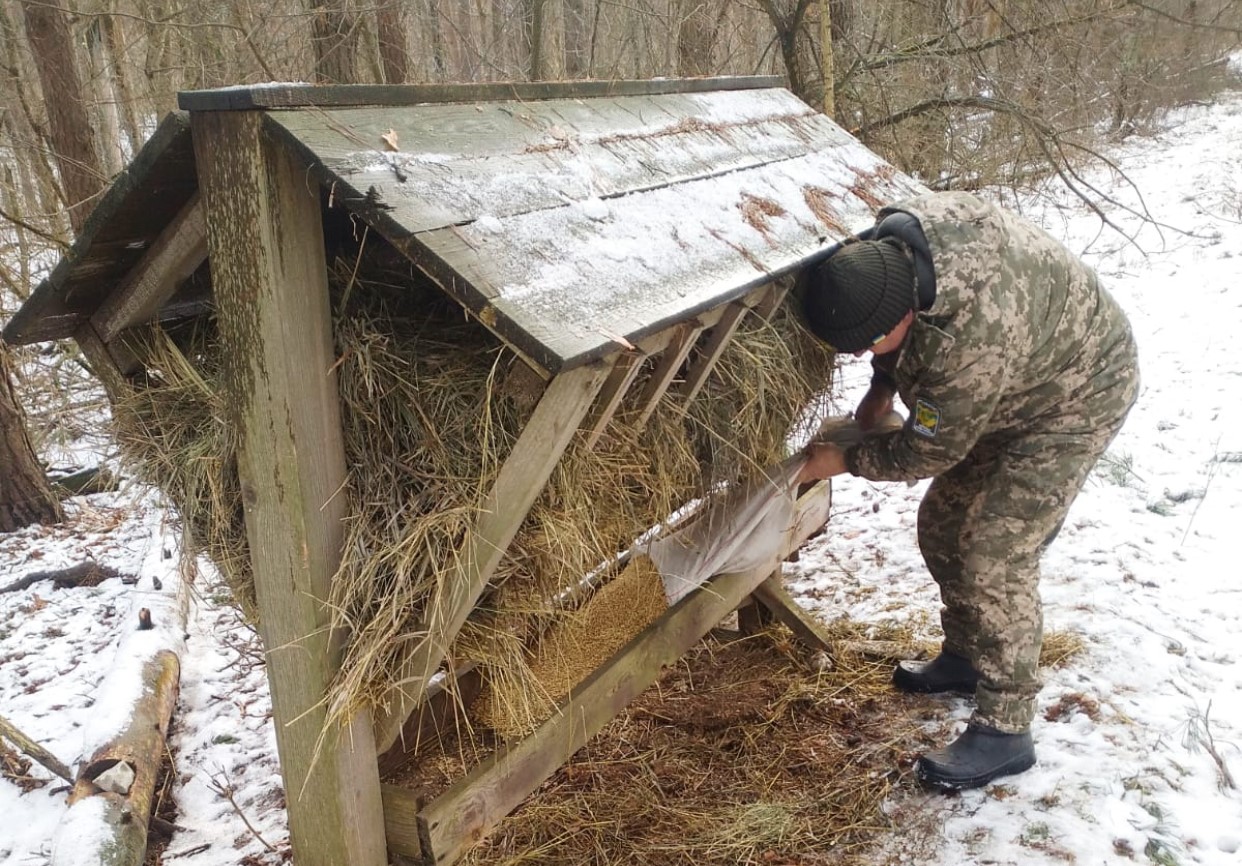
x,y
945,673
978,756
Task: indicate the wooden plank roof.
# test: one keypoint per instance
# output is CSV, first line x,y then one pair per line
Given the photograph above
x,y
571,222
143,198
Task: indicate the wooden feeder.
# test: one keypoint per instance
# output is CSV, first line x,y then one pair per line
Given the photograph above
x,y
529,205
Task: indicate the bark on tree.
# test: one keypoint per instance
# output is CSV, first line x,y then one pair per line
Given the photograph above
x,y
25,495
390,34
69,125
787,17
533,23
334,35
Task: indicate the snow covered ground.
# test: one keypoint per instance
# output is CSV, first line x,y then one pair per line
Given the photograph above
x,y
1139,738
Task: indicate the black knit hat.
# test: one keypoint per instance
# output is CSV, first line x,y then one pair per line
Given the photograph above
x,y
859,294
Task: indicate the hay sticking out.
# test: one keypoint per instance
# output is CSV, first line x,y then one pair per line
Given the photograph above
x,y
431,405
573,647
175,434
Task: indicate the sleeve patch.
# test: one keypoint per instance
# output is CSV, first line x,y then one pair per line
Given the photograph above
x,y
926,419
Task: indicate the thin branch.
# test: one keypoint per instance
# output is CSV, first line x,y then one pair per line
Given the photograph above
x,y
21,223
1185,22
926,51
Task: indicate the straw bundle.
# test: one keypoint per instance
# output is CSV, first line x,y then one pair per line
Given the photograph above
x,y
431,404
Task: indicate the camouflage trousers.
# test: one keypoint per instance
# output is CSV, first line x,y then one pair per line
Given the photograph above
x,y
982,527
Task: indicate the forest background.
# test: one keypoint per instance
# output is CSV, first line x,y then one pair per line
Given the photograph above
x,y
962,94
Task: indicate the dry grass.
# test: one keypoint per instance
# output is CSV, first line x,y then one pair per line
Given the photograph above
x,y
746,752
742,753
431,404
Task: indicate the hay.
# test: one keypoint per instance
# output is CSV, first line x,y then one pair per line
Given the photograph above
x,y
431,404
742,753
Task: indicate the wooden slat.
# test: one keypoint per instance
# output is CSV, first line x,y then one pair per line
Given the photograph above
x,y
624,371
302,95
666,369
474,804
776,294
771,595
459,163
112,364
401,809
178,251
711,351
267,254
521,480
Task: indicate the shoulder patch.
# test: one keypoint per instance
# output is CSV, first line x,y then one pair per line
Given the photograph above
x,y
926,419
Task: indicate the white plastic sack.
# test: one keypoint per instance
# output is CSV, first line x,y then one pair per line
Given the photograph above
x,y
739,530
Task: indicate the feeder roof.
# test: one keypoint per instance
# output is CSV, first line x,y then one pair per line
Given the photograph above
x,y
569,218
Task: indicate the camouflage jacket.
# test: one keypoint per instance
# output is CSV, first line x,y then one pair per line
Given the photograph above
x,y
1020,338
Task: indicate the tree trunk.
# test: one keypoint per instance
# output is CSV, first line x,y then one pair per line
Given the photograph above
x,y
390,34
25,495
577,41
71,132
532,21
335,39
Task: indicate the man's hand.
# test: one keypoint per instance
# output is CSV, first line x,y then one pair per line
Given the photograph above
x,y
876,404
826,460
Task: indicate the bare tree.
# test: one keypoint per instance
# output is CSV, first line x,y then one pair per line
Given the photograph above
x,y
335,37
533,24
25,495
71,130
391,35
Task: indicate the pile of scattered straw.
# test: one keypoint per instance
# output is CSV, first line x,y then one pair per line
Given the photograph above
x,y
431,404
744,752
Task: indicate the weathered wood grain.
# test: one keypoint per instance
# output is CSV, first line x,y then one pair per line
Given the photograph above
x,y
178,250
300,95
266,243
522,478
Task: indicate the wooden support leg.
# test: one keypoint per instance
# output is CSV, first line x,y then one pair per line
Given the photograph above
x,y
268,271
779,604
521,480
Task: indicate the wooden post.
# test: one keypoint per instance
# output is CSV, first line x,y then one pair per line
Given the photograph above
x,y
265,237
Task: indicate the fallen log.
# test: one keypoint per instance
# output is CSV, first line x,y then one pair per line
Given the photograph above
x,y
111,802
82,574
97,479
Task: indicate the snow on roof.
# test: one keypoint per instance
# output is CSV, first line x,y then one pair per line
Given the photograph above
x,y
564,222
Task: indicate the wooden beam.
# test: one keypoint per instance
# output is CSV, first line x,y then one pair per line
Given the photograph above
x,y
522,478
623,374
772,597
625,370
302,95
685,336
111,364
716,343
178,251
776,293
267,253
473,805
401,808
